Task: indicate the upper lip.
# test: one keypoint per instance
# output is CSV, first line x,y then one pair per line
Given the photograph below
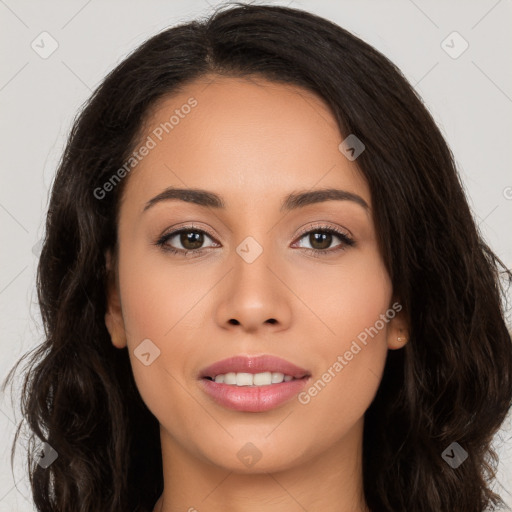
x,y
253,364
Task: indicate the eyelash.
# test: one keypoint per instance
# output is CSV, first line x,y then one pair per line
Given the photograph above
x,y
345,239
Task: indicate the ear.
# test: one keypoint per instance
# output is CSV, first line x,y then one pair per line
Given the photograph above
x,y
398,329
114,315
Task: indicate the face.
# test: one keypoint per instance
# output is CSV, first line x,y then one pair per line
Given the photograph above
x,y
251,269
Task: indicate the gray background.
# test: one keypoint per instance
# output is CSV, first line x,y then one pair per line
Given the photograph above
x,y
469,96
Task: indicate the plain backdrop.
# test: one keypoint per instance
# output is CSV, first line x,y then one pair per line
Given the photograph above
x,y
465,80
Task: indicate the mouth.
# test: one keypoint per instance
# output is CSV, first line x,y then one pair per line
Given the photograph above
x,y
253,383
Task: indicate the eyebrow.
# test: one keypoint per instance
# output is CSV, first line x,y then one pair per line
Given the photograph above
x,y
291,202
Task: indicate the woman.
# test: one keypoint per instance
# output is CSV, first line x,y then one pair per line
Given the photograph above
x,y
263,288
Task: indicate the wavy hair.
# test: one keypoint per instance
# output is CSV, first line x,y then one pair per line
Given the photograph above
x,y
452,381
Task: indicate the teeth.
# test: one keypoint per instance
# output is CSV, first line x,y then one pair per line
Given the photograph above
x,y
250,379
244,379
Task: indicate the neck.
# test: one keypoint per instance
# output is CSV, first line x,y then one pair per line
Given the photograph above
x,y
331,481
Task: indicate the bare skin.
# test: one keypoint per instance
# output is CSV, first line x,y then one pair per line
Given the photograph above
x,y
253,142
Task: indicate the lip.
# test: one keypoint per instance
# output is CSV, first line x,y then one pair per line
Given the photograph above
x,y
253,398
253,364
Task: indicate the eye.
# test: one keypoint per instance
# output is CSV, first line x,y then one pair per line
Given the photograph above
x,y
190,239
320,239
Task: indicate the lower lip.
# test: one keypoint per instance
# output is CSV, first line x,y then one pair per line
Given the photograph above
x,y
253,398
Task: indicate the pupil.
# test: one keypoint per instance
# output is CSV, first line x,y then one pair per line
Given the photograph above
x,y
323,238
191,237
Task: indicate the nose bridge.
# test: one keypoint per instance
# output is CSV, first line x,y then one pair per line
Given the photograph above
x,y
252,280
254,296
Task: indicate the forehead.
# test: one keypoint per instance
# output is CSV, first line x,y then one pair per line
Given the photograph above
x,y
242,137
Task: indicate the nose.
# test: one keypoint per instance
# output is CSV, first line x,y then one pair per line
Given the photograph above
x,y
254,297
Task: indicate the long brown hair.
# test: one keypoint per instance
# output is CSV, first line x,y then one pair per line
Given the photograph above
x,y
451,383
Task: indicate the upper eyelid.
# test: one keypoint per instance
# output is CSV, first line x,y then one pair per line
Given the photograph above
x,y
324,226
182,229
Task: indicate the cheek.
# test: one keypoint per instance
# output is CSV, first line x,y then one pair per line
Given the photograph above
x,y
156,304
158,297
347,298
350,357
165,304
